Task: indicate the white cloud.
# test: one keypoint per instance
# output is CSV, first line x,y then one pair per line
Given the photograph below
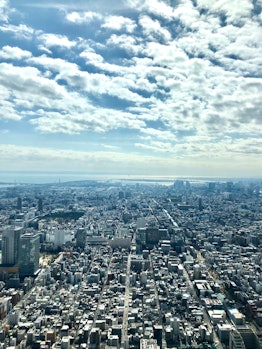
x,y
4,10
75,113
159,8
235,11
170,56
82,17
54,64
125,42
236,164
184,79
158,134
28,81
34,158
157,146
52,40
26,84
96,84
127,76
110,147
84,118
21,31
205,148
186,13
16,53
153,30
92,57
8,112
155,7
119,23
44,49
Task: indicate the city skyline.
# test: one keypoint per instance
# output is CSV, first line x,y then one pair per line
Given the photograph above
x,y
152,88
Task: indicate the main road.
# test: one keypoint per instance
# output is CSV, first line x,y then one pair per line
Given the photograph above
x,y
124,335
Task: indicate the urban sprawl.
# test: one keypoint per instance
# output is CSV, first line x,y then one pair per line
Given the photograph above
x,y
131,265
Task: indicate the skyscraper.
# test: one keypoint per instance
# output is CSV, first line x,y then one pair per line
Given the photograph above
x,y
29,254
19,203
40,205
10,245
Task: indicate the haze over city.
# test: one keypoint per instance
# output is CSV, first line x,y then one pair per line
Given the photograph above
x,y
149,88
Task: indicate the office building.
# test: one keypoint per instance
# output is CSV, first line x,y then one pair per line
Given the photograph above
x,y
59,237
29,254
80,238
10,245
19,204
40,205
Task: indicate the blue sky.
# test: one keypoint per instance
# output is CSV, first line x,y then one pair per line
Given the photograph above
x,y
147,88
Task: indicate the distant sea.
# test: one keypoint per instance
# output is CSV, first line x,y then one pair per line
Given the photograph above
x,y
30,177
42,177
15,178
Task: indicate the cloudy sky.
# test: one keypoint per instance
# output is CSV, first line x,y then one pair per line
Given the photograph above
x,y
133,87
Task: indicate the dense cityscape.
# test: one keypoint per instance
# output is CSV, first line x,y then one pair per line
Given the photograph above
x,y
115,264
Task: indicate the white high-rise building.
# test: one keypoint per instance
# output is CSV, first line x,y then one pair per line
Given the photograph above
x,y
59,237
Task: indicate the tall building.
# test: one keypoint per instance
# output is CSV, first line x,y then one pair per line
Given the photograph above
x,y
40,205
29,254
59,237
80,238
10,245
19,203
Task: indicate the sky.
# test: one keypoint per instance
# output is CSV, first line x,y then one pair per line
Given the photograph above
x,y
131,87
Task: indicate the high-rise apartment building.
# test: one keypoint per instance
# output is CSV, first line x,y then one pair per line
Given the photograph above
x,y
29,254
10,245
